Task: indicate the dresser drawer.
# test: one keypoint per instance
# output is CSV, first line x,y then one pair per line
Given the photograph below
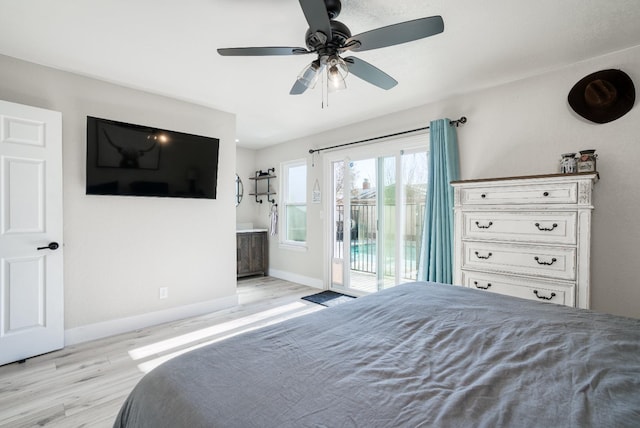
x,y
547,262
540,193
534,227
519,287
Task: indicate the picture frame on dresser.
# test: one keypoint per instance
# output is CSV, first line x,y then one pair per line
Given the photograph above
x,y
526,236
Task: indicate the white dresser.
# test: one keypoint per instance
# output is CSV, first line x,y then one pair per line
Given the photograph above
x,y
525,236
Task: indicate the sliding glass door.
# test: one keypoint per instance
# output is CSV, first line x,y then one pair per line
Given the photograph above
x,y
377,210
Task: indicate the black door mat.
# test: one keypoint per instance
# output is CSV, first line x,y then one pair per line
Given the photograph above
x,y
328,298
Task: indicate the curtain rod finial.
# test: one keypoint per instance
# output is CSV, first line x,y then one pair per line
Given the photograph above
x,y
459,122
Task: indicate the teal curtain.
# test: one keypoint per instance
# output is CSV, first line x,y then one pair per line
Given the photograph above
x,y
436,258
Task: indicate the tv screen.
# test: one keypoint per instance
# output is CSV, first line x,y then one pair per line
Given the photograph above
x,y
136,160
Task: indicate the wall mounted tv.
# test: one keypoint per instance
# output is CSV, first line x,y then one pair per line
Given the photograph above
x,y
135,160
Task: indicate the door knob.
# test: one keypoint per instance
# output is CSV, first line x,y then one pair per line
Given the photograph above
x,y
51,246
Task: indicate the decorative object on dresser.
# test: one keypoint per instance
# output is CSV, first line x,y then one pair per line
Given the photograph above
x,y
253,252
263,177
525,236
568,163
587,161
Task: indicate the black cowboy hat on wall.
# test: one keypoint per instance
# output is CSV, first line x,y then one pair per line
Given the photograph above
x,y
603,96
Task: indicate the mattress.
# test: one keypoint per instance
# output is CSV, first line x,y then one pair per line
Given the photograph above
x,y
419,354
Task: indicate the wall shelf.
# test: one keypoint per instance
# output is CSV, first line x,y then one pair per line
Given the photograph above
x,y
263,177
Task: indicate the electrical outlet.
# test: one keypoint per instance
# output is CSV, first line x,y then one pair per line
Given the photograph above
x,y
164,292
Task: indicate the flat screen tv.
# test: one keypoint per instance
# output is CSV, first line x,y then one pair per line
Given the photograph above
x,y
136,160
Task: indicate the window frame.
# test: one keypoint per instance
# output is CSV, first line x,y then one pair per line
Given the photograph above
x,y
417,142
285,242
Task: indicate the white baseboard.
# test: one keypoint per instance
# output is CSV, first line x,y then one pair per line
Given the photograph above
x,y
299,279
100,330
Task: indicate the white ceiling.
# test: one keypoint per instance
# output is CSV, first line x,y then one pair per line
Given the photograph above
x,y
169,47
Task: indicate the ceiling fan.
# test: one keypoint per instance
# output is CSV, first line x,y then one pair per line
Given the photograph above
x,y
329,39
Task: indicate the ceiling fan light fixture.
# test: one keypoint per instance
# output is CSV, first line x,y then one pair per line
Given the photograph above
x,y
337,85
309,75
337,72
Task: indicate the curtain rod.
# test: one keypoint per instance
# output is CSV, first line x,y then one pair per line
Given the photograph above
x,y
456,123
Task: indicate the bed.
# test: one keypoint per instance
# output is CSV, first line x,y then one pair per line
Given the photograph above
x,y
419,354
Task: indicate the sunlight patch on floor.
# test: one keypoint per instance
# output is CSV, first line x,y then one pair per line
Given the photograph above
x,y
216,333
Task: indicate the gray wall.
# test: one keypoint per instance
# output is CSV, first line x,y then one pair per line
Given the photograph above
x,y
519,128
120,250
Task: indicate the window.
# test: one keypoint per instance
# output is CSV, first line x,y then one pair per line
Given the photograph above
x,y
294,221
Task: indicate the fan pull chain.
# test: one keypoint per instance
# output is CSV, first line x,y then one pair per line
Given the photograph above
x,y
325,82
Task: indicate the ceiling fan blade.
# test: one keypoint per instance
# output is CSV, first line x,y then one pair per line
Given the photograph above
x,y
298,88
370,73
315,11
262,51
398,33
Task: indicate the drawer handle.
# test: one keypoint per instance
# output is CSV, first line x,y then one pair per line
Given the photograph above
x,y
483,195
480,286
540,262
544,297
483,257
482,226
546,229
545,194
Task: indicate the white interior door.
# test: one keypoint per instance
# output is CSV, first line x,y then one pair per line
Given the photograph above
x,y
31,278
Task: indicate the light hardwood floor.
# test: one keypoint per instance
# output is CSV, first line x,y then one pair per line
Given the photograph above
x,y
84,385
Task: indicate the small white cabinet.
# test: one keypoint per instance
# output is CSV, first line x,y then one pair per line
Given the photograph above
x,y
527,236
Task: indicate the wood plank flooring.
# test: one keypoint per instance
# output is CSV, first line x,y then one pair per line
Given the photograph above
x,y
85,385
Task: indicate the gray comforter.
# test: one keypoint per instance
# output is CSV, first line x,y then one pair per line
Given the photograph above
x,y
420,354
